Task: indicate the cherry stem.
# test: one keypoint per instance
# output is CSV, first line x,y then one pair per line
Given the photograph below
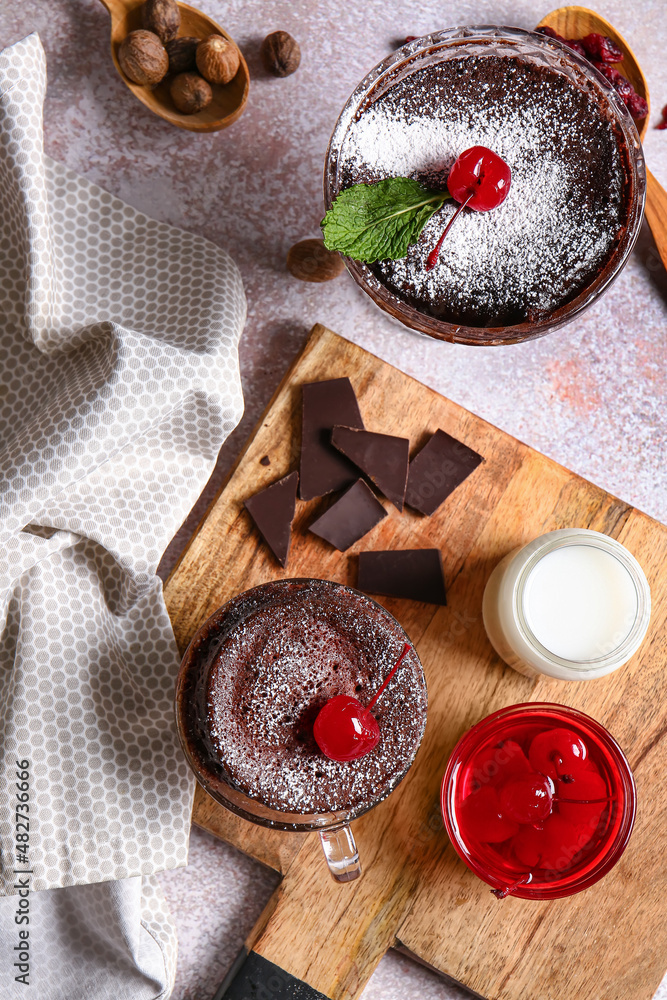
x,y
432,258
406,650
508,890
582,802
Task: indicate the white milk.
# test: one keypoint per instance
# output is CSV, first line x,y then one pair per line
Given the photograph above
x,y
572,604
580,602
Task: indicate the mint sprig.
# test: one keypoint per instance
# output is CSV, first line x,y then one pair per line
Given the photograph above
x,y
370,222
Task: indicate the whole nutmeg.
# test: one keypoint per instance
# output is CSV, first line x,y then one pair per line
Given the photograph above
x,y
310,260
143,58
218,59
190,93
280,53
162,17
182,53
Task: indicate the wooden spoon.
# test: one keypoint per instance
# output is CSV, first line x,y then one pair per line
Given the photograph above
x,y
576,22
228,100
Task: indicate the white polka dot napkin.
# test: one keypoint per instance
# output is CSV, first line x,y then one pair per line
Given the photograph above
x,y
118,383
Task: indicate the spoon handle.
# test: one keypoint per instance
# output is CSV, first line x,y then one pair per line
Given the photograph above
x,y
656,213
119,8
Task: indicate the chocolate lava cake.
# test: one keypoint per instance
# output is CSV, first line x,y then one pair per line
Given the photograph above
x,y
262,668
568,205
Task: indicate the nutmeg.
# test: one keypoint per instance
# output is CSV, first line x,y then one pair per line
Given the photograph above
x,y
190,93
280,53
143,57
309,260
218,59
162,17
182,53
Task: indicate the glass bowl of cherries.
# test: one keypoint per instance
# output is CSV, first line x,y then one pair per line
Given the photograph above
x,y
538,800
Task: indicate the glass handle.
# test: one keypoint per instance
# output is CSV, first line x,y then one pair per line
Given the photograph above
x,y
341,853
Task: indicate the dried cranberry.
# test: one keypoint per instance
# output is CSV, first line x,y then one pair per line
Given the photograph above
x,y
623,87
602,48
577,46
663,123
637,106
550,33
619,82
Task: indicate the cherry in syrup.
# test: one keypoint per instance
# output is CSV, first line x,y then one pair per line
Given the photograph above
x,y
557,752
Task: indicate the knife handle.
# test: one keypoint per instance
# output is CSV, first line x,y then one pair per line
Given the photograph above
x,y
253,977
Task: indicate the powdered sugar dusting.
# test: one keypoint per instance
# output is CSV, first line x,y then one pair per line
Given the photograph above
x,y
565,208
303,644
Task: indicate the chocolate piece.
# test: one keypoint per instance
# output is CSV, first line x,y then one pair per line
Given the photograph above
x,y
436,471
382,457
415,574
323,469
265,460
272,510
350,517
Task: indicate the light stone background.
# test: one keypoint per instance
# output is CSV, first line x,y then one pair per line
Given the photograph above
x,y
592,396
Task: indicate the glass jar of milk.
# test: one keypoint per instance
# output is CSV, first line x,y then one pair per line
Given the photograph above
x,y
573,604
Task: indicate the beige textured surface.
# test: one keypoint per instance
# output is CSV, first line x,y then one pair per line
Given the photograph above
x,y
592,396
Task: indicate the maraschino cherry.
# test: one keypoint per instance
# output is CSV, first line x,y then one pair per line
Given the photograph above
x,y
526,798
558,752
549,802
479,178
344,729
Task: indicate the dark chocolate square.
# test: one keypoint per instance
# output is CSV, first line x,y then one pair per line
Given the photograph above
x,y
382,457
414,574
323,469
436,471
272,510
350,517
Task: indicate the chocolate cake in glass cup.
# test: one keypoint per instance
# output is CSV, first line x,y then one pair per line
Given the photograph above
x,y
575,204
252,684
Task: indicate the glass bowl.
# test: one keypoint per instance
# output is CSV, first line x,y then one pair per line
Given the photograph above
x,y
591,817
542,52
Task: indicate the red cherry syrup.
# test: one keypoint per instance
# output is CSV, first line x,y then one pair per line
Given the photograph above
x,y
541,804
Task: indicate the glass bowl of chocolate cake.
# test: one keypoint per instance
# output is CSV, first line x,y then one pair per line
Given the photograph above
x,y
575,204
251,685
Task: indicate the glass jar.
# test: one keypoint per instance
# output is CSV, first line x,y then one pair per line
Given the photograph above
x,y
584,818
538,51
572,604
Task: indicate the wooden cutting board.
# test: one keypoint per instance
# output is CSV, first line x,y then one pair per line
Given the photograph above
x,y
607,943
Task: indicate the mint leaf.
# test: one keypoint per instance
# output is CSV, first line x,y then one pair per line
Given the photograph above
x,y
379,221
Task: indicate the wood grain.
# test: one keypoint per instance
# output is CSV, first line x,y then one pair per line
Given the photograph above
x,y
608,942
228,102
656,214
